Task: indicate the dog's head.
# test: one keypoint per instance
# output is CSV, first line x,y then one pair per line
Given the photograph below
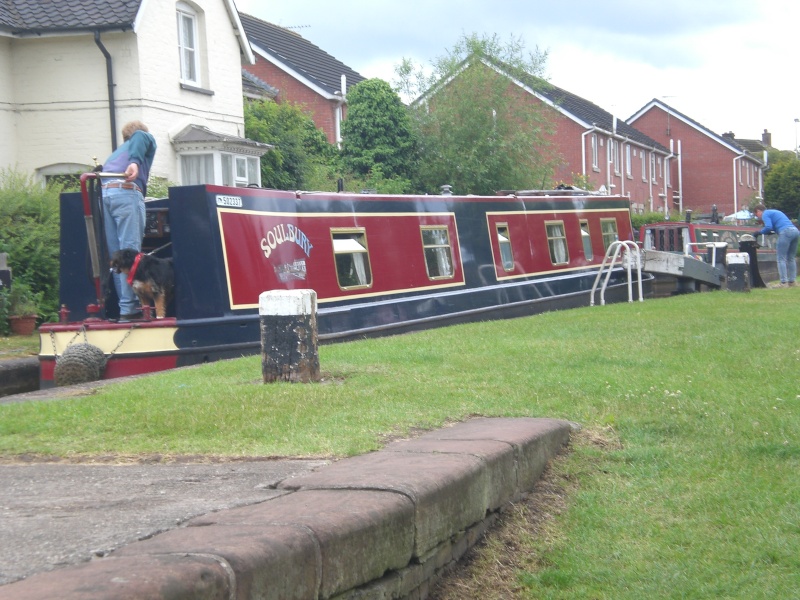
x,y
122,260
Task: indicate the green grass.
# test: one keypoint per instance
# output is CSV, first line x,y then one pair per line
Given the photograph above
x,y
698,498
16,346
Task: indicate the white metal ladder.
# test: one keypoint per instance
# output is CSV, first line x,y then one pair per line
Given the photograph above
x,y
630,254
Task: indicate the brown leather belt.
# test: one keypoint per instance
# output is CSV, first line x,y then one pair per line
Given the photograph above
x,y
125,185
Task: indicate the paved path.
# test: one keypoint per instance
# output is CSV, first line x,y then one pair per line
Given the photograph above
x,y
52,515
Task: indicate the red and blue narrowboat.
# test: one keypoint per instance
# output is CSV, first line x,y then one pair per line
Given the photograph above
x,y
378,264
694,238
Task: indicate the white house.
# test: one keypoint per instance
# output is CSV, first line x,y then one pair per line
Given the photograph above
x,y
73,72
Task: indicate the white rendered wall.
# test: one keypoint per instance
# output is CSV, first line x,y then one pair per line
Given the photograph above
x,y
57,94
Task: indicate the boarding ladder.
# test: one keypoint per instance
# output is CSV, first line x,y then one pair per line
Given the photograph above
x,y
627,253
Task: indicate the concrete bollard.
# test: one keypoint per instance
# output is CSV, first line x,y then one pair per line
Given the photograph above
x,y
289,347
738,271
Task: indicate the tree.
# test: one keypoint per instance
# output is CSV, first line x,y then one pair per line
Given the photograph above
x,y
478,129
298,145
378,131
782,187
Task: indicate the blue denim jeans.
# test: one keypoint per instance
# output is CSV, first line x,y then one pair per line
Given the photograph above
x,y
787,252
124,221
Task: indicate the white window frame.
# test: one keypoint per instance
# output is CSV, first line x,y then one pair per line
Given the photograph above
x,y
653,168
643,156
189,55
224,166
595,164
628,161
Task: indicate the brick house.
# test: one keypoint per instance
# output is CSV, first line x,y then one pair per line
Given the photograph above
x,y
588,141
608,152
711,169
301,73
73,72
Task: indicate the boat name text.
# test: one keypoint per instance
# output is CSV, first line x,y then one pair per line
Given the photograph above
x,y
285,233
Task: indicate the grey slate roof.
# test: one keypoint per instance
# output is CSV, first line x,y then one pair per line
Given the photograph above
x,y
585,112
43,16
591,114
722,139
252,86
300,55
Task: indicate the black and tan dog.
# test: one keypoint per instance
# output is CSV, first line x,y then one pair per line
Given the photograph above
x,y
152,278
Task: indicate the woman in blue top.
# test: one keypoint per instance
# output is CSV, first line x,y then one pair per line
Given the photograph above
x,y
123,203
776,222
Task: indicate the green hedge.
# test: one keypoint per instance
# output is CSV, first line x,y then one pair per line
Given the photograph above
x,y
29,233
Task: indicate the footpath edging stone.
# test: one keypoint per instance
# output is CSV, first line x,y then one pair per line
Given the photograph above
x,y
19,375
380,525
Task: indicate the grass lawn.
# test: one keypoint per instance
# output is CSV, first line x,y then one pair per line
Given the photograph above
x,y
16,346
685,482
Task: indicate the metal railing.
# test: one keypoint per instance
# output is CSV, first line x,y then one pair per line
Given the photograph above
x,y
626,253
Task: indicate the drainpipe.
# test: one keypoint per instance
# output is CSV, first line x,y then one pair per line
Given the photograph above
x,y
110,79
339,110
666,186
680,174
735,185
583,151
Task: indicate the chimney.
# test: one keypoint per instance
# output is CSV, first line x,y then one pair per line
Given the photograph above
x,y
730,135
766,139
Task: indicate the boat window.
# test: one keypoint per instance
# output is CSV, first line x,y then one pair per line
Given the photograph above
x,y
438,253
504,241
609,229
557,241
702,235
587,239
352,258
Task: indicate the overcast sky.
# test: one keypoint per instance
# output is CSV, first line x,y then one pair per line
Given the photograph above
x,y
731,65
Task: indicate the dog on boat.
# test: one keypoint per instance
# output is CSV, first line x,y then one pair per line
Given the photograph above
x,y
152,278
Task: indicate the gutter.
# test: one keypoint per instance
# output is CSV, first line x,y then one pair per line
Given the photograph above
x,y
110,79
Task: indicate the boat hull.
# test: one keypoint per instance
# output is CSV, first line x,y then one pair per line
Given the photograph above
x,y
380,265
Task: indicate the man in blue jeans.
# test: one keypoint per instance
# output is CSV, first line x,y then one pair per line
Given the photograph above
x,y
123,204
776,222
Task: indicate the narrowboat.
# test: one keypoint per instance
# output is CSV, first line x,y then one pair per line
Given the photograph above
x,y
379,265
699,238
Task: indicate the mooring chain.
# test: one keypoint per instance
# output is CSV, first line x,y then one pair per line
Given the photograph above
x,y
69,343
86,339
122,341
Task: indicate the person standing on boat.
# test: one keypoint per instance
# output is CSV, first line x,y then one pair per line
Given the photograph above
x,y
123,203
788,235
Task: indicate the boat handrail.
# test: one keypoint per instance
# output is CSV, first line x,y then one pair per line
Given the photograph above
x,y
630,253
713,245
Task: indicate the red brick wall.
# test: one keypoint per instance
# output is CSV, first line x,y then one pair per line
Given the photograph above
x,y
321,110
707,165
567,142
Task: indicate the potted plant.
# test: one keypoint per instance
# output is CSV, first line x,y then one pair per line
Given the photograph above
x,y
23,308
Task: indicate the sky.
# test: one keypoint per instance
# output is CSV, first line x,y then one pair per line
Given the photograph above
x,y
731,65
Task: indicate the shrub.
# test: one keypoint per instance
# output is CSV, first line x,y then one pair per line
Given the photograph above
x,y
29,233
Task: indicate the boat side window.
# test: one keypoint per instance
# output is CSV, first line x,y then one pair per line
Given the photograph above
x,y
438,253
702,235
504,242
609,229
587,239
557,242
352,258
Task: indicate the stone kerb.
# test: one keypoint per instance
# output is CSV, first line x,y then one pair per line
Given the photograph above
x,y
378,525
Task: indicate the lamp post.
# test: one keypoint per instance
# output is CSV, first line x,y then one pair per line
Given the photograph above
x,y
796,121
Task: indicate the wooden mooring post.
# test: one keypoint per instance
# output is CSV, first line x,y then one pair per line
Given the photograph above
x,y
289,346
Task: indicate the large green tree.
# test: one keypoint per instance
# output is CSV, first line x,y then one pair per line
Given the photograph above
x,y
377,132
782,187
479,130
299,147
